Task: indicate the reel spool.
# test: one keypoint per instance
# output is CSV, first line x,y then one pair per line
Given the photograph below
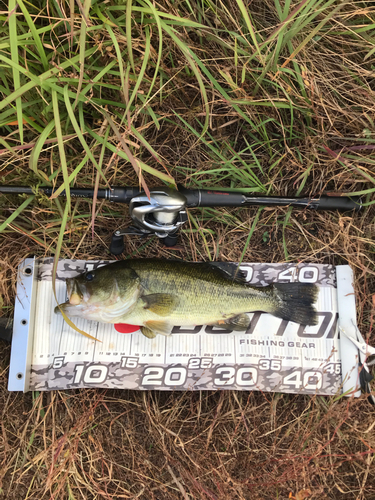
x,y
162,215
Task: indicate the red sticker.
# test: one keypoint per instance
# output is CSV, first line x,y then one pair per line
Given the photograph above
x,y
124,328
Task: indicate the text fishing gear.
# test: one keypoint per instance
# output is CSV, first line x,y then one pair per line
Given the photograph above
x,y
164,212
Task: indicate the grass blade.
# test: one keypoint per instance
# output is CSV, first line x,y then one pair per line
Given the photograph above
x,y
252,229
77,129
249,25
34,157
160,175
97,178
311,35
82,46
135,162
142,70
160,48
54,269
129,33
197,74
14,55
35,34
16,213
39,80
119,57
60,143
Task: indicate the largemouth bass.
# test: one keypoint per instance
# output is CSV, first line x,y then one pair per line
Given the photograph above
x,y
159,294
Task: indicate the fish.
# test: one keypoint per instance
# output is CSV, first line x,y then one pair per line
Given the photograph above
x,y
159,294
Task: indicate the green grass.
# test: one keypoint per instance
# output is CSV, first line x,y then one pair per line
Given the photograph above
x,y
123,66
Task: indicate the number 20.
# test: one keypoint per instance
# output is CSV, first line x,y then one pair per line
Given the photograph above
x,y
174,376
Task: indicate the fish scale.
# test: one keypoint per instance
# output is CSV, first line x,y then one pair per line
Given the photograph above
x,y
204,294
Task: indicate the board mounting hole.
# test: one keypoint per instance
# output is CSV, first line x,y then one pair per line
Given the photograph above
x,y
19,375
28,271
24,322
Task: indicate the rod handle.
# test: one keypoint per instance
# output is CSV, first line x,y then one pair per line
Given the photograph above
x,y
211,198
342,203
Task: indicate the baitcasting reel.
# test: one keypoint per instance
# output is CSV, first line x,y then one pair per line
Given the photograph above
x,y
162,215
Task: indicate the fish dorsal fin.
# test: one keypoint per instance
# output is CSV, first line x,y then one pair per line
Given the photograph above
x,y
160,303
238,323
229,270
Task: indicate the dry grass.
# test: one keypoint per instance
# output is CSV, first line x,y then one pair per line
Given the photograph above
x,y
97,444
317,136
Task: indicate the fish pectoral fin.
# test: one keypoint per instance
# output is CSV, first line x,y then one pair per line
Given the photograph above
x,y
160,303
239,323
148,333
159,327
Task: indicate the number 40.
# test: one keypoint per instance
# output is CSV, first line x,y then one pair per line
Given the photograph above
x,y
311,380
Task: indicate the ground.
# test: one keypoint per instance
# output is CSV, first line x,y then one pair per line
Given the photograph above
x,y
267,97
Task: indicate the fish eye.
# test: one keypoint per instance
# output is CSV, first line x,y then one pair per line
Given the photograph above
x,y
89,276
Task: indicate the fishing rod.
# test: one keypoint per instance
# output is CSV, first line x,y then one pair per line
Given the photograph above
x,y
164,212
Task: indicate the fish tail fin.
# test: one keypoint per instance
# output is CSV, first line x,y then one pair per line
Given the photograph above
x,y
295,302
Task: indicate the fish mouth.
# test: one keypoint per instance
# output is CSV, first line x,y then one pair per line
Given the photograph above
x,y
75,300
75,295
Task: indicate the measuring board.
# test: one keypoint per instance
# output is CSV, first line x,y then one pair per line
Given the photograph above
x,y
272,355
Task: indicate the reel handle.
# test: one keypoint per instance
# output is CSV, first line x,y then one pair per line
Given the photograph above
x,y
117,245
170,240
